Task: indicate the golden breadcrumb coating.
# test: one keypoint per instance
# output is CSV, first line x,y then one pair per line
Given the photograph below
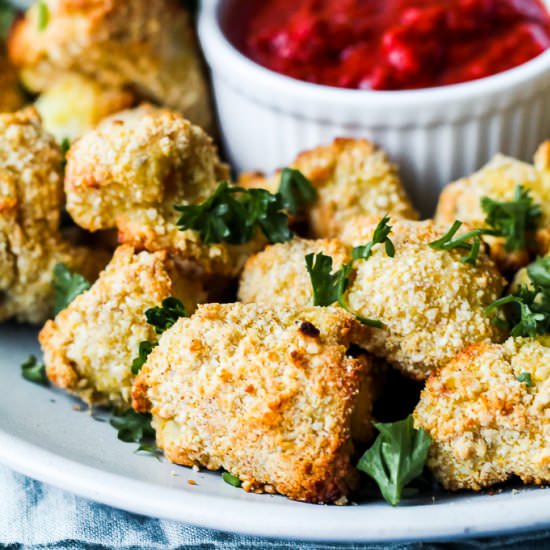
x,y
31,197
277,276
430,302
75,104
130,172
498,180
10,94
353,177
487,425
147,47
89,347
270,396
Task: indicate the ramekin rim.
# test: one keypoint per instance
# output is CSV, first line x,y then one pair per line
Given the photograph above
x,y
216,46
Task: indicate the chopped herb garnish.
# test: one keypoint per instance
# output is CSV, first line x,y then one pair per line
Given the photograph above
x,y
7,15
449,241
133,427
150,449
232,480
145,349
396,458
525,377
527,309
68,285
43,15
165,316
234,214
35,372
513,220
296,190
330,287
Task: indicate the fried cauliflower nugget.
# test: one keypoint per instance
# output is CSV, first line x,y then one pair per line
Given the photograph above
x,y
130,171
488,413
144,46
353,177
75,104
431,303
498,180
274,397
31,198
89,347
277,276
11,98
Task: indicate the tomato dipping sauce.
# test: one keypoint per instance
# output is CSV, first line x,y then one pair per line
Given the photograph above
x,y
393,44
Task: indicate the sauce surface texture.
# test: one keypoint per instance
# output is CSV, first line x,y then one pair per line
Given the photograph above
x,y
394,44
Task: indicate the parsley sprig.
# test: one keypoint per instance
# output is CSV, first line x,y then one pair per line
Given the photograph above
x,y
162,318
527,309
396,458
235,214
34,371
7,15
513,220
330,287
134,427
67,285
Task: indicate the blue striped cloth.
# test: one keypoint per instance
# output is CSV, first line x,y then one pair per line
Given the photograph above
x,y
36,516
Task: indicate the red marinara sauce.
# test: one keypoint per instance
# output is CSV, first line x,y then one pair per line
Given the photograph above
x,y
394,44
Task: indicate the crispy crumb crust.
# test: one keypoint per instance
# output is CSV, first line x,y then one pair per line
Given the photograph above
x,y
31,198
267,395
353,177
498,180
75,104
147,47
277,276
131,170
89,347
486,425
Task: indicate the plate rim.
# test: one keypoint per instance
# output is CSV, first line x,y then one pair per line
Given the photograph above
x,y
269,520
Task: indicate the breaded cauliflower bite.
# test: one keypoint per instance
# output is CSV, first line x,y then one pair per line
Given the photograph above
x,y
277,276
11,98
31,195
431,303
353,177
274,397
75,104
89,347
498,180
488,413
144,46
133,168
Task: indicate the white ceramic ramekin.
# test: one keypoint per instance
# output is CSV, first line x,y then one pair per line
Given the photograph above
x,y
435,135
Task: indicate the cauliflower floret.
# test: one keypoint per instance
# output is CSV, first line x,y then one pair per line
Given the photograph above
x,y
488,413
271,396
31,196
146,47
89,347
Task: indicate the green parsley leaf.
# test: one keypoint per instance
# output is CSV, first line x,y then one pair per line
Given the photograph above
x,y
145,349
35,372
7,15
165,316
450,242
327,286
43,15
68,285
526,378
232,480
65,145
396,458
150,449
133,427
234,215
514,220
380,236
527,309
296,190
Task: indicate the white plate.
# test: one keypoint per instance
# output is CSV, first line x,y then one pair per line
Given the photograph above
x,y
42,436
